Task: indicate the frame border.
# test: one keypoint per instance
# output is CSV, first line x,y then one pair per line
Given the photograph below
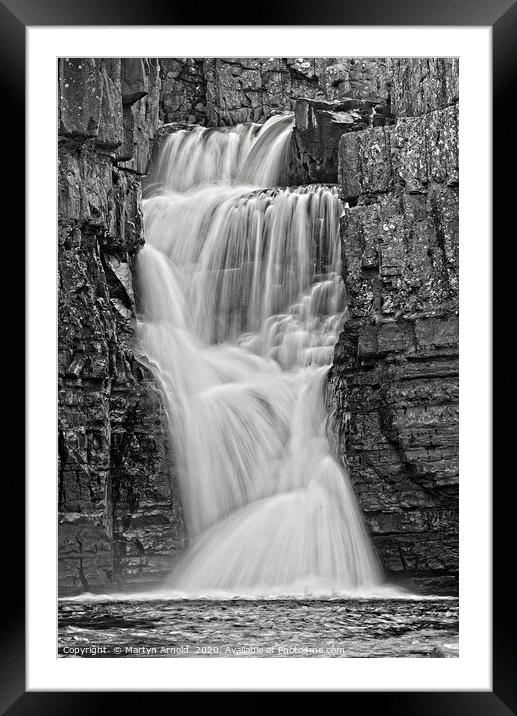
x,y
501,15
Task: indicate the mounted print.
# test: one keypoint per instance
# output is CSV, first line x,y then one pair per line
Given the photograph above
x,y
258,357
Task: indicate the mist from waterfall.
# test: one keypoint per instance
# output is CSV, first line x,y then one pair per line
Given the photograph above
x,y
241,302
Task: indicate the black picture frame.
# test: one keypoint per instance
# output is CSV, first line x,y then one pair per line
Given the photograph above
x,y
501,15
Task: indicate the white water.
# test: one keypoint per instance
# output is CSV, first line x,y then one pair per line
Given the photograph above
x,y
241,301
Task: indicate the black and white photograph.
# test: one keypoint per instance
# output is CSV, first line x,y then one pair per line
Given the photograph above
x,y
259,329
258,310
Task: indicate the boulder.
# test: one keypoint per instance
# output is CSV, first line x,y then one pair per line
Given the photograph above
x,y
312,154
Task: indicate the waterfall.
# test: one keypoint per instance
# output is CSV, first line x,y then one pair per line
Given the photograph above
x,y
241,302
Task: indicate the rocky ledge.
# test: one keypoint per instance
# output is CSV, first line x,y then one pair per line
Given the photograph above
x,y
119,514
312,153
393,388
225,91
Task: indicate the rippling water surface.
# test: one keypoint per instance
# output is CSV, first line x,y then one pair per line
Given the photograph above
x,y
265,628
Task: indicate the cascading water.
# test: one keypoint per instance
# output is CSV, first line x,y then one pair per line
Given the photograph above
x,y
241,301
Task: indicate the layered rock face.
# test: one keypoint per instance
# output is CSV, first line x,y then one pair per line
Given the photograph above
x,y
312,155
119,516
393,388
226,91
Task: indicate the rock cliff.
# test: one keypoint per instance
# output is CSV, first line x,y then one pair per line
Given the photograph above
x,y
119,516
312,154
393,388
226,91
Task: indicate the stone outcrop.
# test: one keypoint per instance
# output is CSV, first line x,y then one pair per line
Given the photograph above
x,y
393,388
119,516
422,84
226,91
183,90
312,154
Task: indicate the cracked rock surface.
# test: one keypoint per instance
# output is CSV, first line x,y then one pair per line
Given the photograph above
x,y
393,388
119,513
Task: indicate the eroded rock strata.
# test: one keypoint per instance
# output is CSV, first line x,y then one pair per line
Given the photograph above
x,y
312,153
389,139
393,388
226,91
119,516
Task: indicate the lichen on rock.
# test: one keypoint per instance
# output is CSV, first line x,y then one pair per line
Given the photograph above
x,y
393,387
115,481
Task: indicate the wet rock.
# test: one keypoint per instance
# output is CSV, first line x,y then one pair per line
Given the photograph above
x,y
80,97
134,79
112,433
183,90
411,155
145,119
110,132
126,149
319,125
393,388
423,84
226,91
148,525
